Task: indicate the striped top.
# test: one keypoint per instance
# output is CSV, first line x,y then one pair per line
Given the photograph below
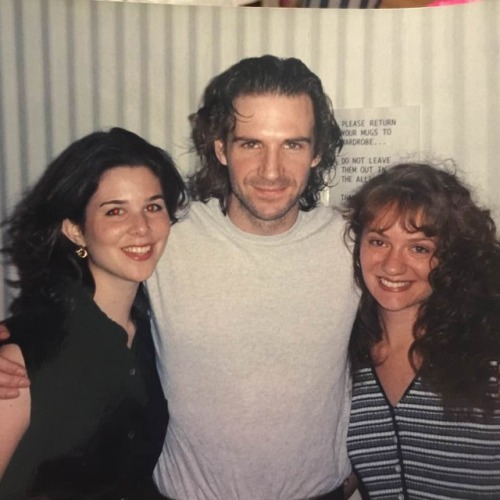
x,y
412,451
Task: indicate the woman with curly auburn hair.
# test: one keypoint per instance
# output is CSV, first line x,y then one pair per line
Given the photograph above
x,y
425,346
84,239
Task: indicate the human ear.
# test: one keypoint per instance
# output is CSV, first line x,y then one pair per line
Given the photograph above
x,y
73,232
315,161
220,151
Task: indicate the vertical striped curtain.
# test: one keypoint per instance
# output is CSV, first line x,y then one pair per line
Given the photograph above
x,y
68,67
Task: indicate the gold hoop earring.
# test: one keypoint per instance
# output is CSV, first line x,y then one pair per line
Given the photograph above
x,y
81,252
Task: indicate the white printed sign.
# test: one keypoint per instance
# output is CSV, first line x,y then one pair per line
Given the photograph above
x,y
374,138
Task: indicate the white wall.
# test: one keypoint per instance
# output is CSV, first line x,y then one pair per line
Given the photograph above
x,y
69,67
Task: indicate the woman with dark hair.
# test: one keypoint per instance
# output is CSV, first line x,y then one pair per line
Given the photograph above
x,y
425,346
83,240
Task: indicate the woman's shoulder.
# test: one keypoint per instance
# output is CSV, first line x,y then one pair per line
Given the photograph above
x,y
34,330
31,318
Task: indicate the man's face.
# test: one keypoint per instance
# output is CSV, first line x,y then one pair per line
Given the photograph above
x,y
269,156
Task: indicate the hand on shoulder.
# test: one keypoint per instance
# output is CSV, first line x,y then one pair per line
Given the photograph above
x,y
12,371
14,413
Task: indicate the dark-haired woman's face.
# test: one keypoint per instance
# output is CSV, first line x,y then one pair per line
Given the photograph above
x,y
396,264
126,226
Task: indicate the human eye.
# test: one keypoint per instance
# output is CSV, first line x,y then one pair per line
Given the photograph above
x,y
375,242
423,249
114,211
293,145
371,238
249,144
155,207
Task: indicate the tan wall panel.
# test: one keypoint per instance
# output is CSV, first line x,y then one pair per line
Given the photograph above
x,y
70,66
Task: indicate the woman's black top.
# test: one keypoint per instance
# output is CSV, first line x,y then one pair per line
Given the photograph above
x,y
98,413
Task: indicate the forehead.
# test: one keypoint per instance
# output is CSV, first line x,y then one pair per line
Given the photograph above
x,y
291,115
385,218
126,178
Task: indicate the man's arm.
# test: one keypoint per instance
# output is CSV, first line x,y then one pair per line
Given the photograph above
x,y
14,415
12,375
350,485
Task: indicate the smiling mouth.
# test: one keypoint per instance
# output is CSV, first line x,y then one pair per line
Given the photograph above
x,y
394,285
270,191
139,250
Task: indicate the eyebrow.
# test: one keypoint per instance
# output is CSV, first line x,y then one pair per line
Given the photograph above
x,y
242,138
124,202
381,232
375,230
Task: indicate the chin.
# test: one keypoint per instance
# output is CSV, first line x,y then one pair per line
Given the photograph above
x,y
140,277
273,214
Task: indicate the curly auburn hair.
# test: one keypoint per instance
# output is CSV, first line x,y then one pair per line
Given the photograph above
x,y
35,244
216,118
457,331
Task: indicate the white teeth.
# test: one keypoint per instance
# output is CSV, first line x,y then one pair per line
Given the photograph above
x,y
140,250
394,285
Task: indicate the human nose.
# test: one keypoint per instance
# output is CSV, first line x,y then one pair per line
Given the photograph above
x,y
139,224
271,164
394,262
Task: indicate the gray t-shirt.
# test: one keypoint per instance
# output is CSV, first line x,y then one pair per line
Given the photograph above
x,y
252,335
